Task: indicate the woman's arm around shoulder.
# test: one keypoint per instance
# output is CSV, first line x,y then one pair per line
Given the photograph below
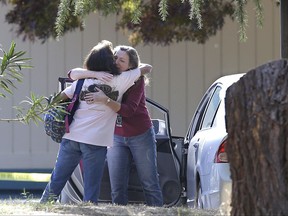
x,y
81,73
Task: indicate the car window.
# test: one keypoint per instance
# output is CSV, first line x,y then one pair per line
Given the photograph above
x,y
197,118
211,109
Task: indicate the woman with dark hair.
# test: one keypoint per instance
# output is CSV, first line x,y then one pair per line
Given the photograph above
x,y
91,130
134,137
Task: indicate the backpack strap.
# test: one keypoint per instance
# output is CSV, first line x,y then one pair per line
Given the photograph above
x,y
73,106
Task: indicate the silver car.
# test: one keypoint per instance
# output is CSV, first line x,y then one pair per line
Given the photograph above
x,y
208,174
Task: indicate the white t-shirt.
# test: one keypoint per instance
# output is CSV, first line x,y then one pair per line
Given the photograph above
x,y
94,123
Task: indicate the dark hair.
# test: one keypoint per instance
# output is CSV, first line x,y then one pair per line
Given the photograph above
x,y
134,59
101,58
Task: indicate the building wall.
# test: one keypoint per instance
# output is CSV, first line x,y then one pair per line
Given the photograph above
x,y
181,74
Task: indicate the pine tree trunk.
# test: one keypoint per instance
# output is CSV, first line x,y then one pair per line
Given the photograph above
x,y
257,125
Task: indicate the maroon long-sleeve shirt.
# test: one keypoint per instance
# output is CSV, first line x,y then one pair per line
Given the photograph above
x,y
133,116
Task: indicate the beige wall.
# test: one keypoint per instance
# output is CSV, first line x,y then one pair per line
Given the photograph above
x,y
182,72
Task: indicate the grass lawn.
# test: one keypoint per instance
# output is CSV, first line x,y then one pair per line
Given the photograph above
x,y
32,207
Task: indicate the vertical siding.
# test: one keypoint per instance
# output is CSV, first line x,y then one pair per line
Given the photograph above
x,y
195,76
177,86
247,50
146,56
39,86
229,46
160,77
107,28
212,60
21,145
72,51
90,38
263,49
181,74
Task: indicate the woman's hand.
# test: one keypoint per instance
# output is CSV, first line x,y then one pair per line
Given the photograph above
x,y
100,97
95,97
145,68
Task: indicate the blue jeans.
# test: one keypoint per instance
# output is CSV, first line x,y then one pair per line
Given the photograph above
x,y
141,149
69,156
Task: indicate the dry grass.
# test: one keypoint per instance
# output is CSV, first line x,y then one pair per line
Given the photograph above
x,y
32,207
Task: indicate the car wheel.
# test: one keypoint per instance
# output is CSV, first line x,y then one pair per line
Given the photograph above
x,y
199,203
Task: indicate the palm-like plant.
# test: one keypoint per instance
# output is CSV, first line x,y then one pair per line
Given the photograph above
x,y
31,109
11,65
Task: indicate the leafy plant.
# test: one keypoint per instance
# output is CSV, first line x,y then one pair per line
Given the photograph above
x,y
34,106
31,109
11,65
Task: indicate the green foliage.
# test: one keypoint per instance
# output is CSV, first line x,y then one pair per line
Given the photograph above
x,y
152,21
185,20
195,11
133,8
36,19
32,108
242,17
11,65
36,106
205,18
163,9
81,9
177,27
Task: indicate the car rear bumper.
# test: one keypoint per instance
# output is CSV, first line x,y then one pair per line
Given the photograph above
x,y
220,186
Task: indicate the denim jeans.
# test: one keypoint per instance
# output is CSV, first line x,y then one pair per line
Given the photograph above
x,y
69,156
141,149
